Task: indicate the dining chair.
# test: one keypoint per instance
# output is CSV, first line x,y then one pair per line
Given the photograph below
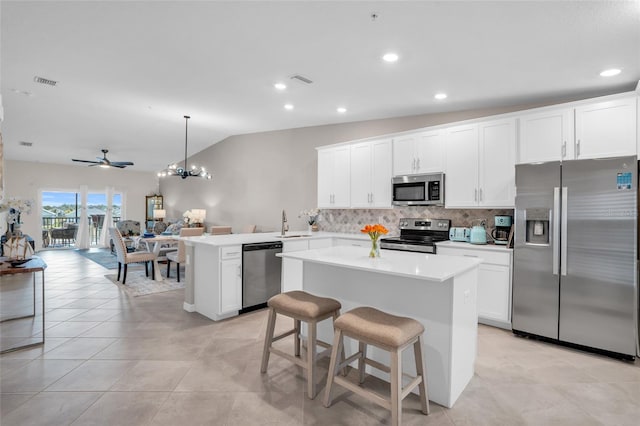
x,y
249,229
124,257
179,256
220,230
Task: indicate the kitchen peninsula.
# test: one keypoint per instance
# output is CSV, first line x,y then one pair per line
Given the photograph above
x,y
214,266
439,291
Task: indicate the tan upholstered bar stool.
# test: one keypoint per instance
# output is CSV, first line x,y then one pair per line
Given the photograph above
x,y
389,332
300,306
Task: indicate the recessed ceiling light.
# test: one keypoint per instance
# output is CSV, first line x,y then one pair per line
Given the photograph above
x,y
610,72
390,57
280,86
288,107
440,96
341,110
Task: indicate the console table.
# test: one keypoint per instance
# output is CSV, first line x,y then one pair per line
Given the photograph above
x,y
33,266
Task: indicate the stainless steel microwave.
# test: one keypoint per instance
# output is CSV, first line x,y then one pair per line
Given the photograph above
x,y
418,190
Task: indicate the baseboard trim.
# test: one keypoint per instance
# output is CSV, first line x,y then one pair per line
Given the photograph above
x,y
189,307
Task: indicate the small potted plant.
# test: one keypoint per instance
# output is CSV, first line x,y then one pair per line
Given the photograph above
x,y
311,216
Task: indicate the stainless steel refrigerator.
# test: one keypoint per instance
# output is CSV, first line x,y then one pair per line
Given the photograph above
x,y
575,253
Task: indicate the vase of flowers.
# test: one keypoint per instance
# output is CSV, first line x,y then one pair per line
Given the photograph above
x,y
311,216
374,232
15,207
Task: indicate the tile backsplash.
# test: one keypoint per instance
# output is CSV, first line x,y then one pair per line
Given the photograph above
x,y
352,220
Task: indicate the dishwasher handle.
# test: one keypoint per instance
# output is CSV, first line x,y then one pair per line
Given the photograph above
x,y
262,246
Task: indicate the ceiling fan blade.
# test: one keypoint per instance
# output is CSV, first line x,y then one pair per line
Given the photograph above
x,y
86,161
117,165
121,163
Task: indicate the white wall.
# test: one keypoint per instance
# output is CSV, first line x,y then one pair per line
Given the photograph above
x,y
27,180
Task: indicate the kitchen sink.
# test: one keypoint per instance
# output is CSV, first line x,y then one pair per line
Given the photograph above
x,y
294,236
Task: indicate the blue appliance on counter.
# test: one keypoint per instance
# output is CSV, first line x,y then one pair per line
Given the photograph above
x,y
460,234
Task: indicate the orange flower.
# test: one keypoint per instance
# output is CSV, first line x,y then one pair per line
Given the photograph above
x,y
374,231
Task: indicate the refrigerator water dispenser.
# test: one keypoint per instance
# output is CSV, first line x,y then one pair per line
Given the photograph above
x,y
537,226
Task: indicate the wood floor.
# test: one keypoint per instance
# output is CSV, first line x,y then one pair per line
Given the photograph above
x,y
115,360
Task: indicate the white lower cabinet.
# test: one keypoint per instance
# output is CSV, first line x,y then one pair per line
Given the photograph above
x,y
230,279
494,282
217,280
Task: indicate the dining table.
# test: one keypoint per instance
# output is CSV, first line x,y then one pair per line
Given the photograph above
x,y
157,244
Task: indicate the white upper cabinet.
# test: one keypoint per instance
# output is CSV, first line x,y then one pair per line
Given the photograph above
x,y
496,168
480,162
587,130
371,174
546,136
421,152
461,178
333,177
606,129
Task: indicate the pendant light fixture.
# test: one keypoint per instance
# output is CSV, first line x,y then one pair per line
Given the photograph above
x,y
183,171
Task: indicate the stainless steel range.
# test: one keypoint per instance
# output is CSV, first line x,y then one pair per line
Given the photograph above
x,y
419,235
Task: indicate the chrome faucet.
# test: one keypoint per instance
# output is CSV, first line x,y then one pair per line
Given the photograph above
x,y
285,226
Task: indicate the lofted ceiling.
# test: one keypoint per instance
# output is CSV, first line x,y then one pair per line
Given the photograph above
x,y
128,72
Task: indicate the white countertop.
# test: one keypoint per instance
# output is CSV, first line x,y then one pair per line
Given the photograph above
x,y
469,246
405,264
261,237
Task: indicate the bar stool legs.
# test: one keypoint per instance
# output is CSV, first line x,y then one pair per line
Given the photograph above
x,y
305,307
395,335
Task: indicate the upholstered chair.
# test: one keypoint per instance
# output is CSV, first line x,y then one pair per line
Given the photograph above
x,y
124,257
220,230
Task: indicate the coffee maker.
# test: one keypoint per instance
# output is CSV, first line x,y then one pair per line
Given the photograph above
x,y
502,230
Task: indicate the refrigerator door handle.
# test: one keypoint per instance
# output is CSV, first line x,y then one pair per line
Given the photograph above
x,y
556,230
563,230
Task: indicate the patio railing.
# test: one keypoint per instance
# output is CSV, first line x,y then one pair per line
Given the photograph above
x,y
95,225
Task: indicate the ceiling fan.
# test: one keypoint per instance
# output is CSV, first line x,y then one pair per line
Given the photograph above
x,y
105,162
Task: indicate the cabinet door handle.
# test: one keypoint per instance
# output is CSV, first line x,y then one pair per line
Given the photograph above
x,y
417,164
372,198
239,270
564,149
578,149
480,194
475,194
413,165
469,255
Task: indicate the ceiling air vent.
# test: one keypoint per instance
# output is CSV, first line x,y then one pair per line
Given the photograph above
x,y
23,143
301,78
42,80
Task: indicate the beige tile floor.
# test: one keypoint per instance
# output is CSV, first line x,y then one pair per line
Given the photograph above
x,y
115,360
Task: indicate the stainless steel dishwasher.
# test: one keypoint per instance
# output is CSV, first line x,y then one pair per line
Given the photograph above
x,y
261,274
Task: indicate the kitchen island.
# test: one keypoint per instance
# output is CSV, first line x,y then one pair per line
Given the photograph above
x,y
439,291
213,267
